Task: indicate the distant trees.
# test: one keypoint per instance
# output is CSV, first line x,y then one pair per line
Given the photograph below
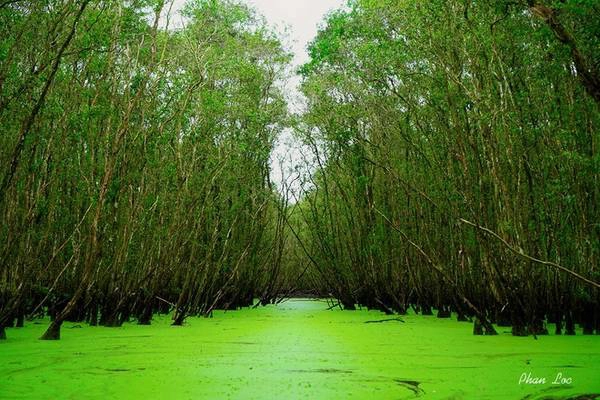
x,y
134,160
442,127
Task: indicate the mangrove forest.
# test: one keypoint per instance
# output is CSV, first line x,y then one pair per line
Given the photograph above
x,y
430,227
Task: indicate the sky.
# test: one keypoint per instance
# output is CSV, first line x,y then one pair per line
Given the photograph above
x,y
299,20
302,16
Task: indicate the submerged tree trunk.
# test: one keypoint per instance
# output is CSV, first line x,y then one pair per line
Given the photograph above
x,y
53,331
145,318
569,324
20,319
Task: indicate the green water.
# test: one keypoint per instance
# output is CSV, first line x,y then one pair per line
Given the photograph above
x,y
297,350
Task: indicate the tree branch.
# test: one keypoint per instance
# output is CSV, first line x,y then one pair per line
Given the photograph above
x,y
521,254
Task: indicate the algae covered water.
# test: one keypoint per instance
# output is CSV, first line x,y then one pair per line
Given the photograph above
x,y
296,350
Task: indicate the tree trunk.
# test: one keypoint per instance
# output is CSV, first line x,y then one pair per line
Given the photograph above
x,y
426,310
519,328
145,317
588,319
444,312
93,314
569,324
348,304
178,319
20,319
28,123
559,324
53,331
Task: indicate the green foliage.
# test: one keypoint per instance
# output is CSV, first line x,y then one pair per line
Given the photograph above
x,y
146,168
429,112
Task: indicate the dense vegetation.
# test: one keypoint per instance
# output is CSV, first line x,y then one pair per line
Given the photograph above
x,y
135,160
458,160
455,147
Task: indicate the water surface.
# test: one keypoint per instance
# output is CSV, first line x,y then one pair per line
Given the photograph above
x,y
297,350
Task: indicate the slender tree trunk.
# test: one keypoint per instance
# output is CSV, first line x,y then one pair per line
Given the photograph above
x,y
28,124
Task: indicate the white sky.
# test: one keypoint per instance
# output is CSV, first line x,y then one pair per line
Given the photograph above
x,y
300,20
302,16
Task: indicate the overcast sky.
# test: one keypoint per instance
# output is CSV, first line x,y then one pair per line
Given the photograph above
x,y
302,16
302,19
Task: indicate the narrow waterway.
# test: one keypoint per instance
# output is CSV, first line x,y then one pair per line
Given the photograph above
x,y
297,350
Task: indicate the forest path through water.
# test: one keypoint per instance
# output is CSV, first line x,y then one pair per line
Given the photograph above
x,y
296,350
